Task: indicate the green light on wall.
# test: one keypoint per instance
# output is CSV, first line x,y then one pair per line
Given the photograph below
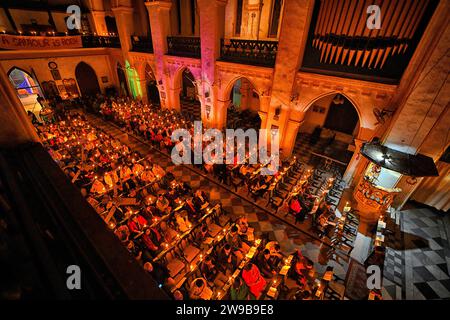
x,y
133,80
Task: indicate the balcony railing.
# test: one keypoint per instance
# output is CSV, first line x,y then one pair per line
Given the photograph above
x,y
141,44
90,41
184,46
252,52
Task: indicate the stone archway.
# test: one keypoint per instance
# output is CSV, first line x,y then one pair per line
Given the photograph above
x,y
188,93
242,104
87,79
331,123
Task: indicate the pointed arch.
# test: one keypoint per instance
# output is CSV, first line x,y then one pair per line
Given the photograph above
x,y
87,79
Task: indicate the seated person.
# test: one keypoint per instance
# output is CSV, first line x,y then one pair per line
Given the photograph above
x,y
300,269
159,272
134,250
158,171
326,226
239,247
275,252
211,273
147,176
239,290
244,230
122,233
226,260
199,290
253,279
202,235
163,205
182,221
98,187
265,264
152,239
199,200
137,223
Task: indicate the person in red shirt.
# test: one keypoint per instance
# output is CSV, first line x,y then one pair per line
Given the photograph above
x,y
137,223
253,279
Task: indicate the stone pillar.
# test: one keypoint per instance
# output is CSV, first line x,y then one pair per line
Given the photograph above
x,y
420,124
212,21
357,158
221,109
125,27
159,16
16,128
245,94
290,135
173,98
294,31
99,23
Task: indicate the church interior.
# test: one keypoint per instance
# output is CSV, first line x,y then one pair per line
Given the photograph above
x,y
356,93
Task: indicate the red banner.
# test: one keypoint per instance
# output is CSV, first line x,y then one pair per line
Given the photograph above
x,y
13,42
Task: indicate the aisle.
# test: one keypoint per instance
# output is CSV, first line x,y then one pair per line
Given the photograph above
x,y
273,228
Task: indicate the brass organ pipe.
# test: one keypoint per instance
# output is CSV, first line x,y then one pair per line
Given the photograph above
x,y
318,30
345,51
334,28
386,52
416,22
351,52
372,53
413,8
341,33
328,22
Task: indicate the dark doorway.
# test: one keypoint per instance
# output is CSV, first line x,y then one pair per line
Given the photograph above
x,y
87,79
123,88
151,86
342,115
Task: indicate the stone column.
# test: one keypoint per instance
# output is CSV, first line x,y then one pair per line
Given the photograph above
x,y
354,162
159,16
221,108
125,27
288,140
294,31
16,128
212,21
420,124
99,23
245,92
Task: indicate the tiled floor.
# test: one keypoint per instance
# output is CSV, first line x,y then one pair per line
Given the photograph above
x,y
265,225
418,260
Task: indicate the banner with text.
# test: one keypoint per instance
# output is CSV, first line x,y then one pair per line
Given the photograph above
x,y
13,42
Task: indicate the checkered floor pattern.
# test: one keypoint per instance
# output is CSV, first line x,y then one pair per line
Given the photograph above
x,y
303,148
191,110
418,260
265,224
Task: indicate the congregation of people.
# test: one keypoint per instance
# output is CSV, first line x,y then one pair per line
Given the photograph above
x,y
190,246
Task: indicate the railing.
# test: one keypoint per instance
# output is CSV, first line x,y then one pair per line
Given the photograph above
x,y
90,41
142,44
184,46
252,52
